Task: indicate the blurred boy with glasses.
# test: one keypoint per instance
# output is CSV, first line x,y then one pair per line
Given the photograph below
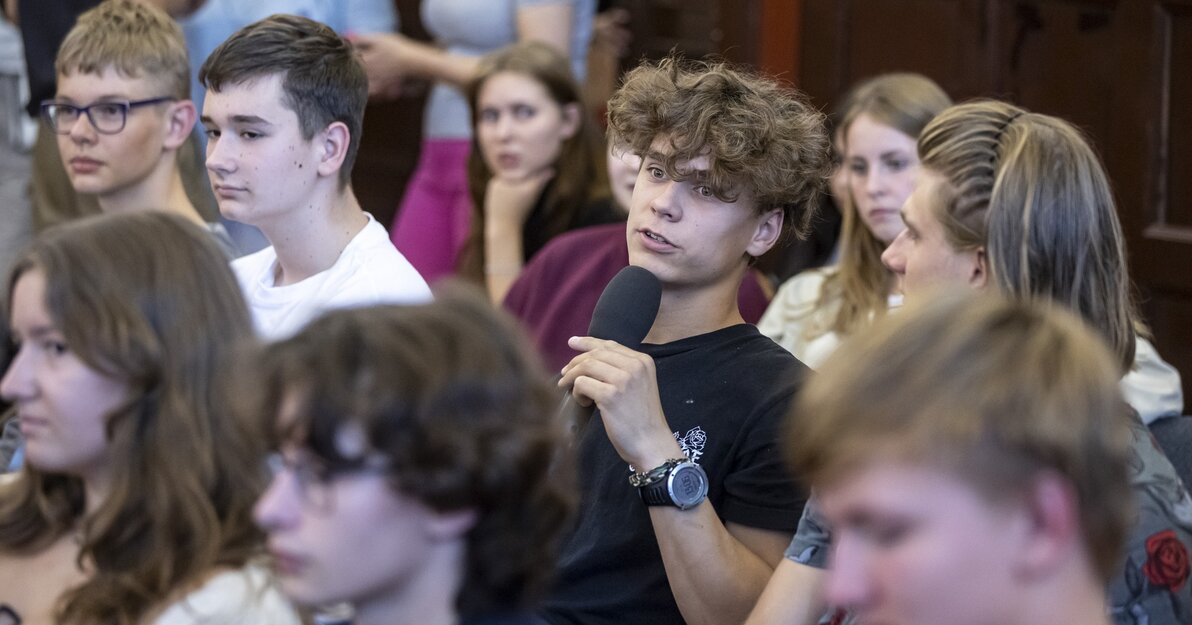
x,y
123,111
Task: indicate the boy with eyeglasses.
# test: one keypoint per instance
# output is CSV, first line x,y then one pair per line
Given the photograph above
x,y
123,111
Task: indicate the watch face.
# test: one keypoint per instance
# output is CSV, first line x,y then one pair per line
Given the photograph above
x,y
688,485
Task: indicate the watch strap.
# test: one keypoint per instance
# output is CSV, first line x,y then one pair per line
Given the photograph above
x,y
656,494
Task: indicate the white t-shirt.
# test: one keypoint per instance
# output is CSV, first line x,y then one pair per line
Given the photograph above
x,y
242,597
797,320
369,271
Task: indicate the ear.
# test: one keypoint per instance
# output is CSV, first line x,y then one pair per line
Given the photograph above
x,y
332,145
448,526
180,120
572,116
769,228
1053,535
979,276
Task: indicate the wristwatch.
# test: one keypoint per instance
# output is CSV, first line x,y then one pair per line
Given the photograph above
x,y
678,482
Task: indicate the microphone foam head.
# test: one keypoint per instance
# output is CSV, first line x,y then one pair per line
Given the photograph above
x,y
626,309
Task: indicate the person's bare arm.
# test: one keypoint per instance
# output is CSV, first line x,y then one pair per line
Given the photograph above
x,y
794,596
507,204
390,58
548,23
10,12
745,558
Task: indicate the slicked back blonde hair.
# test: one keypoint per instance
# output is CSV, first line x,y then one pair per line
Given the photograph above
x,y
759,135
1030,190
135,39
992,391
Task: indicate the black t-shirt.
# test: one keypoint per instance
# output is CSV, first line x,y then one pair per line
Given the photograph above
x,y
725,395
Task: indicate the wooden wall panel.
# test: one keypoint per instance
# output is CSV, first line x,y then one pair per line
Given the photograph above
x,y
1119,69
1057,57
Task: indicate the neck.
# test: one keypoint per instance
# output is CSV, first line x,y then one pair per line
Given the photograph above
x,y
427,598
161,190
309,239
690,311
96,487
1072,596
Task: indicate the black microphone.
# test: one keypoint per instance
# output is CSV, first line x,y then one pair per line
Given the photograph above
x,y
624,313
627,308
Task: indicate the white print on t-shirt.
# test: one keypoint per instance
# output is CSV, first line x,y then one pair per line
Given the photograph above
x,y
692,443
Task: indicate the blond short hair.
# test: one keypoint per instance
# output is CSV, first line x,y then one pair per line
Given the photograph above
x,y
137,40
990,390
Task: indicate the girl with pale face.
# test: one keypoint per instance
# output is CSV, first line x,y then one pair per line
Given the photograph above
x,y
62,401
533,173
881,165
122,324
521,128
880,120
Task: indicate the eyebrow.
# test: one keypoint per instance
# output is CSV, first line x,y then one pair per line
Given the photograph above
x,y
35,333
107,97
696,174
206,120
653,155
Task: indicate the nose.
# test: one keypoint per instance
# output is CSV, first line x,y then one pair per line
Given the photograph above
x,y
664,203
848,584
218,159
17,383
82,130
503,127
894,258
875,182
279,506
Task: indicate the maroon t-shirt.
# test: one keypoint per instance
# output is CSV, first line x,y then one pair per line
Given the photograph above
x,y
557,291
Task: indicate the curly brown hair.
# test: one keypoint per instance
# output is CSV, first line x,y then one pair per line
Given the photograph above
x,y
450,394
760,136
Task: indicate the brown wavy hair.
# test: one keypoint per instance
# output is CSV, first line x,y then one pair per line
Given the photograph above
x,y
147,298
580,174
761,136
1031,191
452,396
905,102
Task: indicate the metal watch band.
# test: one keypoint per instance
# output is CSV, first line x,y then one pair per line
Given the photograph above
x,y
658,473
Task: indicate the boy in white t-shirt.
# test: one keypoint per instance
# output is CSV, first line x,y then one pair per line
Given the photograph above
x,y
283,114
